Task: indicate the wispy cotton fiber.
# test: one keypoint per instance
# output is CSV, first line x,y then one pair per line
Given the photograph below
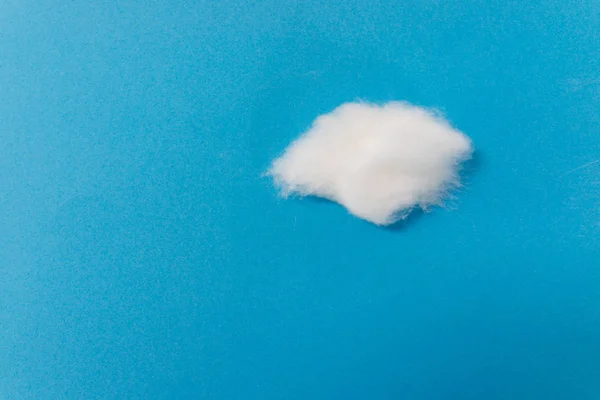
x,y
378,161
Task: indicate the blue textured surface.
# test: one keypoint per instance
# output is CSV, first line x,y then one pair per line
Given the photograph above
x,y
143,256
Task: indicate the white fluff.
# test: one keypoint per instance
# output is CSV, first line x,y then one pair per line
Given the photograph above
x,y
377,161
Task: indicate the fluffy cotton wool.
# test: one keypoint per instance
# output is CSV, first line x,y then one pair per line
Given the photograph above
x,y
377,161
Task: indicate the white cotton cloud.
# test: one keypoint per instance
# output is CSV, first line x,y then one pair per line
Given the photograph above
x,y
379,162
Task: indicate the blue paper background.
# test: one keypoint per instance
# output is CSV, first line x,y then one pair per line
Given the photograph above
x,y
143,256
